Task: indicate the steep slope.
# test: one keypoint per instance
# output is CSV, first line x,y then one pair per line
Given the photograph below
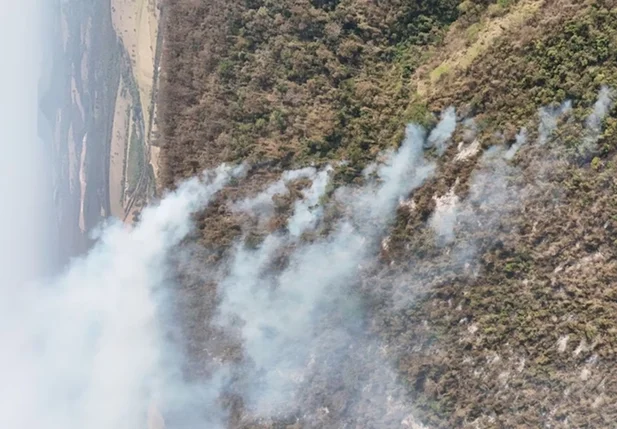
x,y
291,81
495,290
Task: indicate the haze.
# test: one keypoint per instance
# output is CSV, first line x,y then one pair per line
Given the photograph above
x,y
23,170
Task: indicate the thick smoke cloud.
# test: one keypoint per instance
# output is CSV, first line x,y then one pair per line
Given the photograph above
x,y
90,349
280,311
285,315
87,349
25,186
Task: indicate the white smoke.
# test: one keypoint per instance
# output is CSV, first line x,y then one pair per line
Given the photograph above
x,y
470,130
521,139
87,350
280,312
600,109
91,348
308,210
491,192
549,116
443,219
492,196
261,204
442,133
548,119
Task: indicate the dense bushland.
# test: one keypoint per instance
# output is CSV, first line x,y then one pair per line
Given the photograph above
x,y
286,83
292,81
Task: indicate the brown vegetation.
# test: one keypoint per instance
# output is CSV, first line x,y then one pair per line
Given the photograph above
x,y
285,83
291,81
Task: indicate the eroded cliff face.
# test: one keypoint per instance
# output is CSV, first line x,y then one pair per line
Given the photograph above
x,y
485,297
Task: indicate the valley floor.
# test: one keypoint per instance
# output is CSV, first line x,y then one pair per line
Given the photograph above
x,y
134,154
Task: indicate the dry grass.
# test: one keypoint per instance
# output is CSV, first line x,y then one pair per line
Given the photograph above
x,y
458,53
136,23
118,150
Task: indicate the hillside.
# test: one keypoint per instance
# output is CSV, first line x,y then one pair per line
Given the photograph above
x,y
493,296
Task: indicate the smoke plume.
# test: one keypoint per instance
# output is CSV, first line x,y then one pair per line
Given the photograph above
x,y
443,219
261,204
602,106
281,312
548,120
91,348
521,139
441,134
87,349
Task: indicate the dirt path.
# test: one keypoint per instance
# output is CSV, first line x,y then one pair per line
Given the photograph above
x,y
82,184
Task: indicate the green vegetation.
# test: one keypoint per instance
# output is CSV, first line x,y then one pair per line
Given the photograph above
x,y
128,132
136,158
137,170
565,61
288,81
